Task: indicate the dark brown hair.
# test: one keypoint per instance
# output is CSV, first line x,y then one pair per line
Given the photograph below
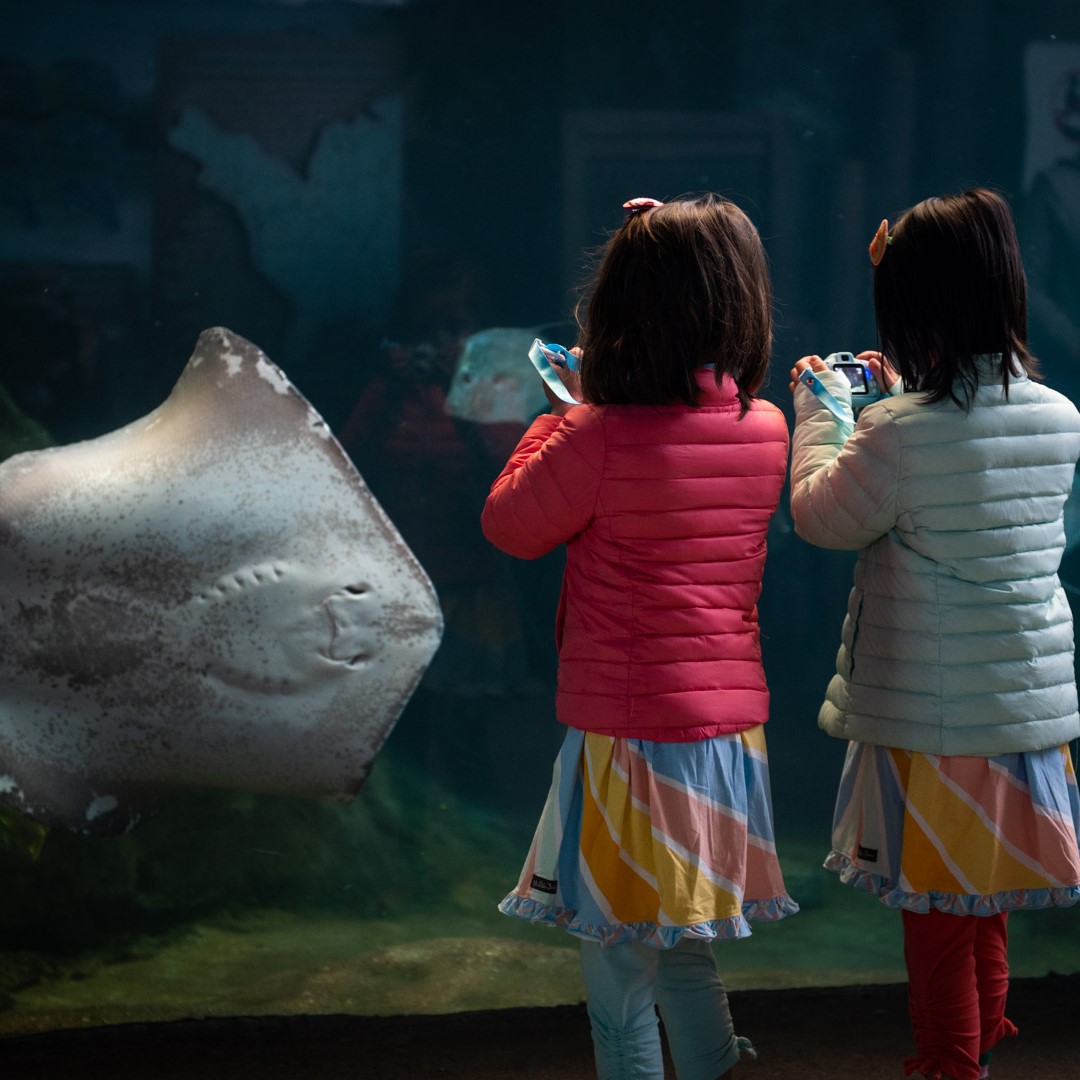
x,y
950,288
679,286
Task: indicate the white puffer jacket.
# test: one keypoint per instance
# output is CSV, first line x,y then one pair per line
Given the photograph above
x,y
958,637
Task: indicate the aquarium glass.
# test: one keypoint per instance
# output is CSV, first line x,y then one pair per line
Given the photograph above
x,y
361,189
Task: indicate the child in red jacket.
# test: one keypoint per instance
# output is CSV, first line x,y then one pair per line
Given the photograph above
x,y
657,839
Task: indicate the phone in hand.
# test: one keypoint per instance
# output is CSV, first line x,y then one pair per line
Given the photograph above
x,y
546,358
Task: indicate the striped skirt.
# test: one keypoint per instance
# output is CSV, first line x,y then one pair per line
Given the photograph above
x,y
969,835
648,841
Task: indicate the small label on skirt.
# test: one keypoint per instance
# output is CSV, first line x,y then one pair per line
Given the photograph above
x,y
543,884
867,854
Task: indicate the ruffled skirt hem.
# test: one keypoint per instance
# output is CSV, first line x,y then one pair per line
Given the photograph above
x,y
893,896
649,933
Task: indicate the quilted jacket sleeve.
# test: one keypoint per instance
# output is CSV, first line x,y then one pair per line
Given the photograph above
x,y
844,492
548,490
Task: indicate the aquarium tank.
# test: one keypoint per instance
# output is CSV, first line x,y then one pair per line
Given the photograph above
x,y
391,200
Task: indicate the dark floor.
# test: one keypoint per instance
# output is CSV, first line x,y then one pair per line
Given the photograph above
x,y
854,1033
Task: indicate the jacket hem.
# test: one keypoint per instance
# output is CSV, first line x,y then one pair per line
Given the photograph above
x,y
674,734
987,740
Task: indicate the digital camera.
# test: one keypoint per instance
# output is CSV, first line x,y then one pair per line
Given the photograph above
x,y
864,387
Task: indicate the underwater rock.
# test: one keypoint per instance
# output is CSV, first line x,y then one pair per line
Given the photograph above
x,y
494,381
208,596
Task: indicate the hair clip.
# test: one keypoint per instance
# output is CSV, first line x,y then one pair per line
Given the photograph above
x,y
639,206
881,241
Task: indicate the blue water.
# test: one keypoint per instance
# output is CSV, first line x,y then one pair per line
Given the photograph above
x,y
357,188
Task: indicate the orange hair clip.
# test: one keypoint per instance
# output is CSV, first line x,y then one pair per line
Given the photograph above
x,y
881,241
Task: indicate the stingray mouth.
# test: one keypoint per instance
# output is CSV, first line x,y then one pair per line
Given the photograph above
x,y
364,624
354,631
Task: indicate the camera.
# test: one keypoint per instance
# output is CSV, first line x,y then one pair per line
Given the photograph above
x,y
864,387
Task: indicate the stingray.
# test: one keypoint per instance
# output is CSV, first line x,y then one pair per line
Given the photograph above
x,y
494,382
207,597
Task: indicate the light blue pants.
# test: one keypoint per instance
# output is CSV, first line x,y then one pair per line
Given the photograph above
x,y
625,983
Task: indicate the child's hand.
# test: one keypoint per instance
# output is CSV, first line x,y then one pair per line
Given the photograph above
x,y
571,380
814,363
884,374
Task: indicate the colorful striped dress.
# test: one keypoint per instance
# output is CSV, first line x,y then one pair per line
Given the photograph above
x,y
969,835
651,841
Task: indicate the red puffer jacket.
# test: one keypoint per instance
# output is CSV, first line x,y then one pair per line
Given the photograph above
x,y
664,512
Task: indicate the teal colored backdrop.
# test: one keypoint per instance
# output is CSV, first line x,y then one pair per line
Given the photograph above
x,y
358,189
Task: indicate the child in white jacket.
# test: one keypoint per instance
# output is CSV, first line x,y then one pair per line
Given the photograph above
x,y
954,681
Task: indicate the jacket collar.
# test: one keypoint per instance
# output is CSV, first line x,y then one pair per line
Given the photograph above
x,y
988,368
711,394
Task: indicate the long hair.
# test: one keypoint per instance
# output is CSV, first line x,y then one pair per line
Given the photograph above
x,y
949,289
680,285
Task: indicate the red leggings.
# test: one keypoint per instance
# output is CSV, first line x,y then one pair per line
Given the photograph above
x,y
958,978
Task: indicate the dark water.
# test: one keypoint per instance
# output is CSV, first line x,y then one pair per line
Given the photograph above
x,y
357,189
